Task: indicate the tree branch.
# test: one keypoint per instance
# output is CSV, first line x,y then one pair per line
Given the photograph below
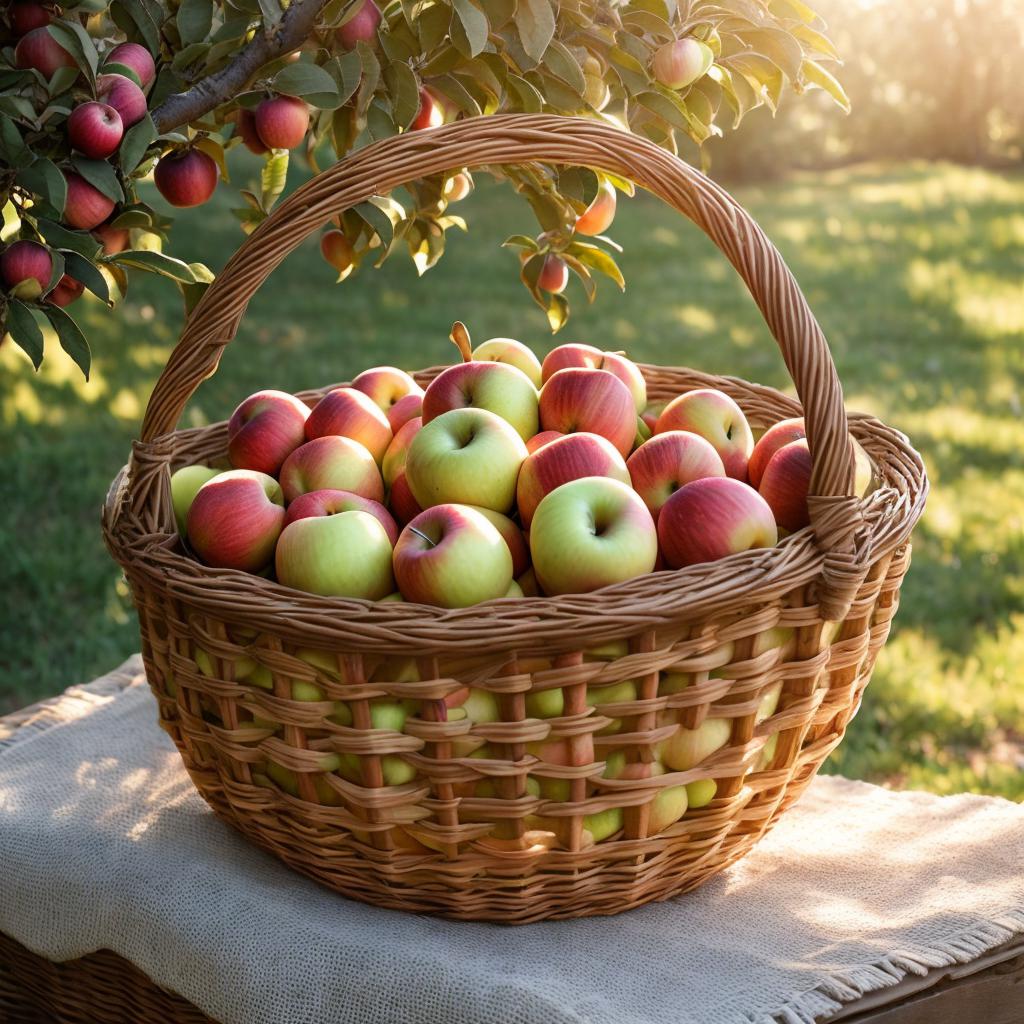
x,y
288,34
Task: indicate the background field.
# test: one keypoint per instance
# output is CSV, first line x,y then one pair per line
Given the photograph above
x,y
914,271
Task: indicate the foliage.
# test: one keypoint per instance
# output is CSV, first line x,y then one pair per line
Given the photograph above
x,y
429,61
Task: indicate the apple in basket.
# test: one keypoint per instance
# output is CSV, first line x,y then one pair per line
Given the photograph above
x,y
515,353
498,387
514,538
185,484
718,419
265,429
387,386
466,456
398,451
329,503
331,463
670,802
566,356
595,401
774,438
660,466
452,556
785,482
235,520
347,412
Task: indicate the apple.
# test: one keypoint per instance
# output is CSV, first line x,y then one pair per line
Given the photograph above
x,y
114,240
513,537
135,57
594,401
452,556
346,412
65,291
528,583
26,16
359,27
430,114
186,177
660,466
245,129
515,353
711,518
777,435
331,463
589,358
687,748
235,520
590,533
570,457
409,407
670,802
85,207
386,386
597,218
458,186
681,62
497,387
95,129
400,499
329,503
185,484
265,429
544,437
651,413
701,792
784,485
26,268
39,50
554,274
395,457
718,419
282,121
340,554
612,693
864,470
467,456
124,96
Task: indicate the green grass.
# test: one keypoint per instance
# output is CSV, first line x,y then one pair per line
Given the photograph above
x,y
913,271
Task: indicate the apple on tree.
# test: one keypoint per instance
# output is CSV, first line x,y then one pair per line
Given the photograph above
x,y
186,176
95,129
26,268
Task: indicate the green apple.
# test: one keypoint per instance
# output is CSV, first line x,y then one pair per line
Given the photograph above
x,y
767,753
289,782
689,747
670,803
185,484
515,353
495,386
613,693
701,792
481,706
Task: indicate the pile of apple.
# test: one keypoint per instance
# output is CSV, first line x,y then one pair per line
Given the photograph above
x,y
505,478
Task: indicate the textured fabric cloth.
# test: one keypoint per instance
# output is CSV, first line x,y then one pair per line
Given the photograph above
x,y
104,843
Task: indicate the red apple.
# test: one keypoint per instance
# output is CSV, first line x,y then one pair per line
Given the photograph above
x,y
65,291
136,57
594,401
26,268
361,27
513,537
95,129
497,387
401,500
124,96
337,250
660,466
711,518
406,409
85,207
430,114
598,216
718,419
186,177
330,503
567,356
282,121
651,413
554,274
114,240
346,412
235,520
265,429
538,441
681,62
331,463
387,385
25,17
245,129
39,50
784,485
567,458
777,435
452,556
398,451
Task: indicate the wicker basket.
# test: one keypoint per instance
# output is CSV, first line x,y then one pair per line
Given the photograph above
x,y
806,617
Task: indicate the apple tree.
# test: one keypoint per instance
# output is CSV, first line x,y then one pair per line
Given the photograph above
x,y
98,95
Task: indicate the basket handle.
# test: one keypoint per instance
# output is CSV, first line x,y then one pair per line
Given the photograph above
x,y
523,138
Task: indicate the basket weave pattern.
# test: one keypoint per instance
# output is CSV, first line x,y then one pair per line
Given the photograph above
x,y
803,621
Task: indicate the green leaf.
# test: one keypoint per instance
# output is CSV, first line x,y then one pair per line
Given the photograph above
x,y
12,146
63,79
528,96
135,143
192,293
404,91
794,8
59,237
535,21
22,327
113,68
71,338
815,74
44,179
310,82
557,312
194,20
778,46
817,43
138,215
559,60
370,79
599,260
73,37
453,89
101,176
155,263
82,270
631,72
351,71
474,24
57,271
271,11
139,13
273,177
521,242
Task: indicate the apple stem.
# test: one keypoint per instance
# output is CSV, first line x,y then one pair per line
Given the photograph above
x,y
460,338
422,535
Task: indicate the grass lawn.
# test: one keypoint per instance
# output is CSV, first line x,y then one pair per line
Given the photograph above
x,y
914,273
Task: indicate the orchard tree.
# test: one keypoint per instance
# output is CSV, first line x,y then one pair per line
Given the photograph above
x,y
98,95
